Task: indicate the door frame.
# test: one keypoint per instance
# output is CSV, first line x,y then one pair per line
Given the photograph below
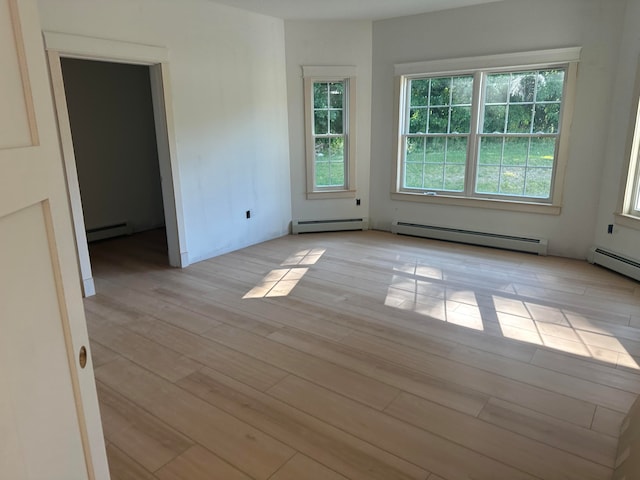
x,y
59,45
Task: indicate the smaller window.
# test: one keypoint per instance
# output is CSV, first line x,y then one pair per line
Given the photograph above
x,y
632,201
329,134
630,197
330,127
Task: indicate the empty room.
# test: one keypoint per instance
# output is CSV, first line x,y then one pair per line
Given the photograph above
x,y
390,240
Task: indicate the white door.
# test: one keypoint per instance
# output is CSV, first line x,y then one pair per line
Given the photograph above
x,y
49,420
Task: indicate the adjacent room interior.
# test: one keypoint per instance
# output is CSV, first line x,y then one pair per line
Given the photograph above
x,y
363,354
111,117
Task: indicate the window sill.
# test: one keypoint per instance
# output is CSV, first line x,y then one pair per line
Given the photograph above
x,y
626,220
331,194
488,203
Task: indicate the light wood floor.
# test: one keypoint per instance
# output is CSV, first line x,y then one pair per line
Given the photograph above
x,y
361,356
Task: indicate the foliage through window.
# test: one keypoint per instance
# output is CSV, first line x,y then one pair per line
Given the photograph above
x,y
487,133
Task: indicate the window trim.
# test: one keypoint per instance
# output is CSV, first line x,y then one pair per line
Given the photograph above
x,y
568,57
626,215
347,74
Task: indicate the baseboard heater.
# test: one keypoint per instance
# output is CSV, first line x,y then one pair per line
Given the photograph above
x,y
108,231
495,240
337,225
616,262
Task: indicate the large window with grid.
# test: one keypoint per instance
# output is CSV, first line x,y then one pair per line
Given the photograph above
x,y
330,131
484,133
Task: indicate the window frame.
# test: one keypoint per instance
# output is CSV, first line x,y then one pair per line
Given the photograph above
x,y
405,119
477,67
627,214
346,74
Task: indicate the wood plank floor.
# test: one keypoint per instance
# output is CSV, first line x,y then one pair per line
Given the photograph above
x,y
361,356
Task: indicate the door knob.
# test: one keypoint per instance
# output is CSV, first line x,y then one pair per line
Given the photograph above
x,y
82,357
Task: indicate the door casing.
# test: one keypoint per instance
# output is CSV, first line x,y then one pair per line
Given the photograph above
x,y
60,45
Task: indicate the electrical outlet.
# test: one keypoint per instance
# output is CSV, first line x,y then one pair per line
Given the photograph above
x,y
248,213
357,201
610,229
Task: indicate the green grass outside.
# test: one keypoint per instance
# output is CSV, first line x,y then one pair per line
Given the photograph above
x,y
511,166
329,173
329,164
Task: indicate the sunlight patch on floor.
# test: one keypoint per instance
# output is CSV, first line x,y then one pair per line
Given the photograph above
x,y
280,282
561,329
430,299
305,257
420,270
501,314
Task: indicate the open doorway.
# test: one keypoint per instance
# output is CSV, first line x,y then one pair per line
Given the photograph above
x,y
111,116
154,63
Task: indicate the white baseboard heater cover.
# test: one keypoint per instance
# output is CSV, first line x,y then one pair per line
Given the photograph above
x,y
337,225
616,262
495,240
108,231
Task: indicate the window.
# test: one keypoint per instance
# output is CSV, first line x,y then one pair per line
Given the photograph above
x,y
630,210
330,128
635,205
329,134
633,208
484,133
436,133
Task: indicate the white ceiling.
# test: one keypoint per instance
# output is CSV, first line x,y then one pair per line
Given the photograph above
x,y
346,9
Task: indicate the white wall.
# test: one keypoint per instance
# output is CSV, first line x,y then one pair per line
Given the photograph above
x,y
227,71
328,43
511,26
114,141
624,240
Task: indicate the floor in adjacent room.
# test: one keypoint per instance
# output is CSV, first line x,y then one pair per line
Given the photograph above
x,y
360,355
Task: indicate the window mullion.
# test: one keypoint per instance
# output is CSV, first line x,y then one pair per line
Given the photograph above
x,y
473,142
